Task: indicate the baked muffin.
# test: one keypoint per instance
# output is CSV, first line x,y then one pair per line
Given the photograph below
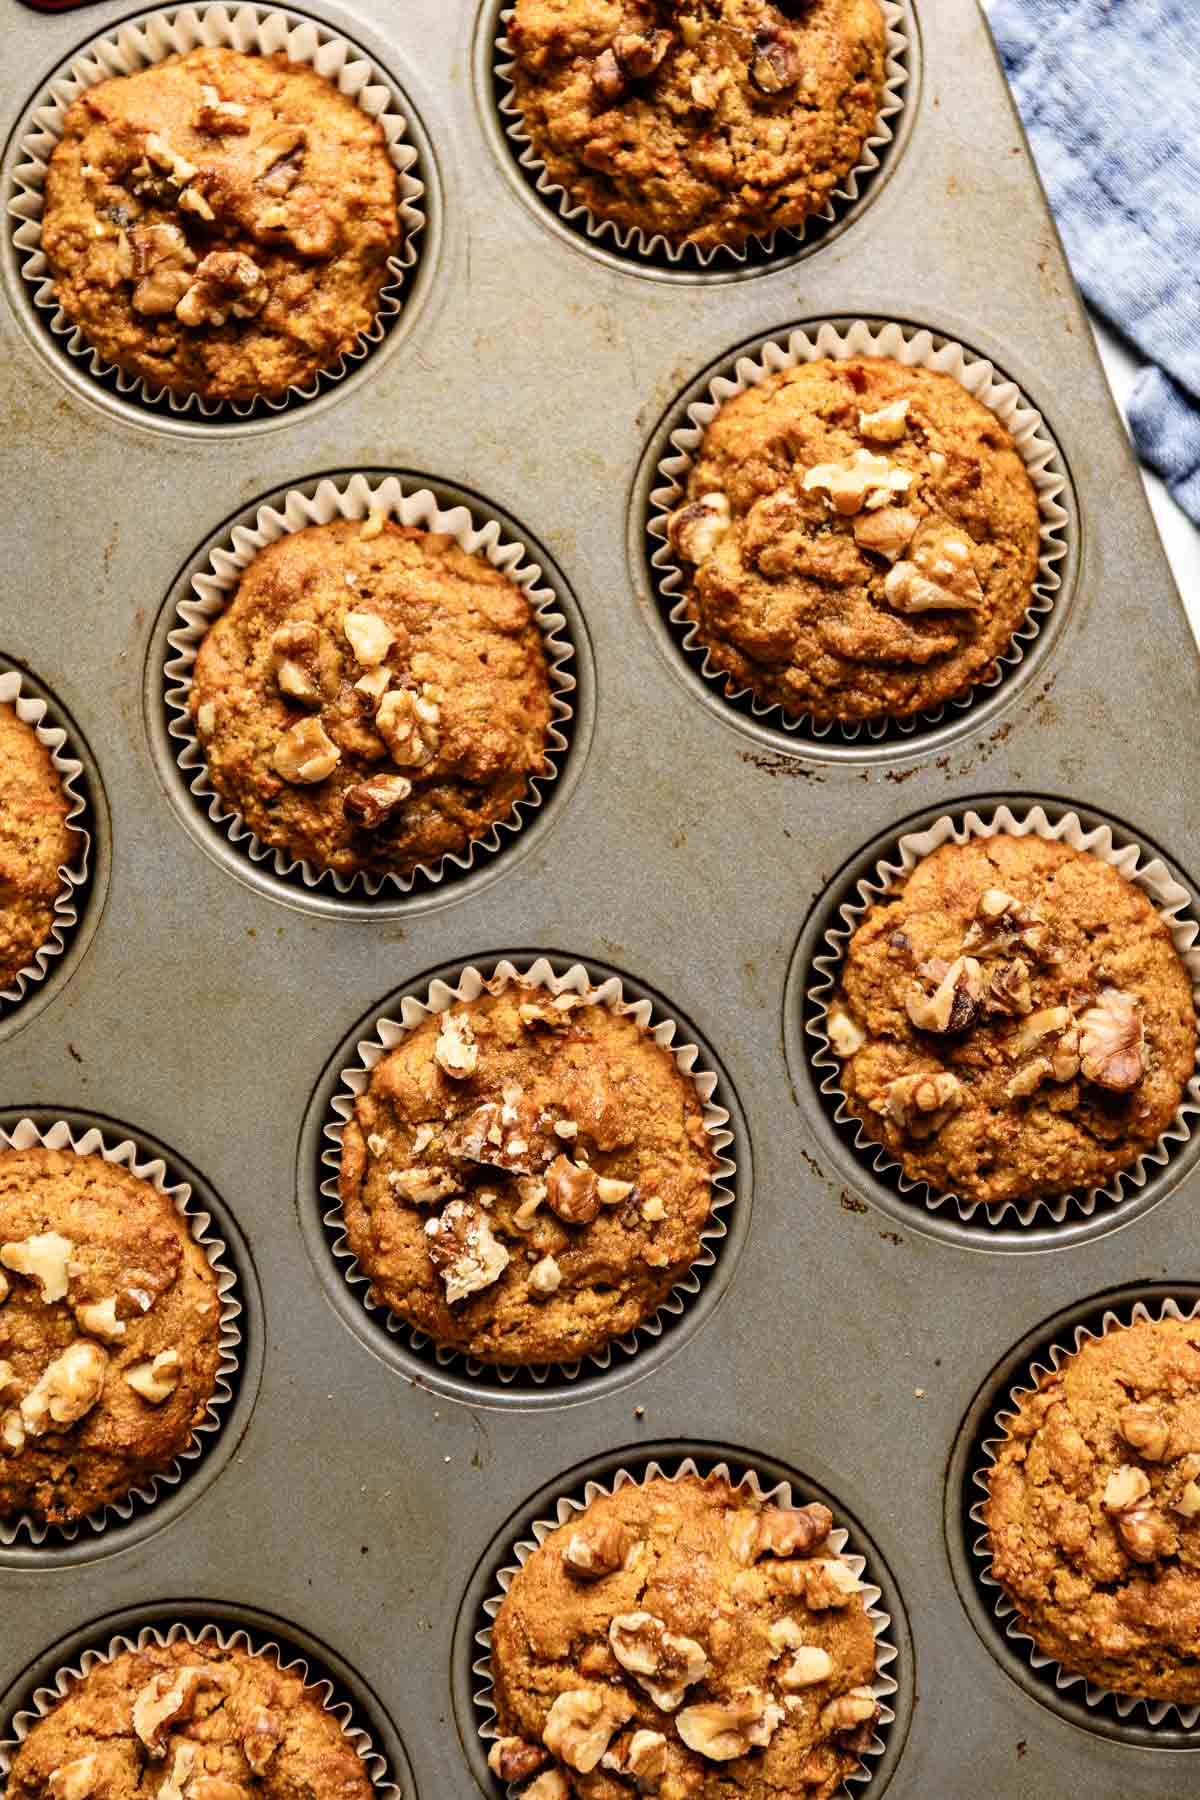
x,y
707,121
526,1177
189,1719
109,1333
688,1638
219,224
35,843
859,539
1093,1512
1014,1021
373,697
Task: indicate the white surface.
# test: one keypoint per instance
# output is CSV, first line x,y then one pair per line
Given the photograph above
x,y
1181,539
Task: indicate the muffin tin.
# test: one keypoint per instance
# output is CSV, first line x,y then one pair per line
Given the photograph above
x,y
356,1504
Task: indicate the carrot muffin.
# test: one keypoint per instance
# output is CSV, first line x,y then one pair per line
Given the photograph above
x,y
689,1639
707,121
1014,1021
192,1720
526,1177
860,539
1093,1513
109,1333
35,843
373,697
219,224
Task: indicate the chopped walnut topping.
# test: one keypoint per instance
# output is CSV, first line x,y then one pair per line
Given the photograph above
x,y
12,1433
808,1666
219,117
723,1729
922,1104
512,1759
909,590
845,1037
1027,1080
262,1734
424,1186
792,1530
193,201
706,88
554,1013
373,686
582,1723
954,1002
1126,1487
45,1258
695,529
407,723
1188,1503
156,1381
640,52
456,1052
550,1785
167,1698
157,258
642,1757
1144,1428
1111,1043
74,1780
887,532
857,1707
1048,1021
279,158
369,804
1004,925
653,1210
99,1319
661,1662
597,1549
866,480
1145,1534
162,156
945,557
1008,989
369,636
886,425
227,281
67,1389
296,655
611,1192
775,65
183,1764
531,1193
608,77
305,754
493,1135
464,1251
545,1277
572,1191
827,1583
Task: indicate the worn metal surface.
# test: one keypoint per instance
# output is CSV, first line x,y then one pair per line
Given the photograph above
x,y
358,1503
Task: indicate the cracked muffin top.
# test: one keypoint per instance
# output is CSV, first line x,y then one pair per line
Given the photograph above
x,y
1093,1514
526,1177
219,224
707,121
859,539
687,1638
35,843
189,1722
109,1333
373,697
1014,1021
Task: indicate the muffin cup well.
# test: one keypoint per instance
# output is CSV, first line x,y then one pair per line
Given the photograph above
x,y
917,348
72,876
45,1699
470,984
25,1135
631,240
138,44
780,1494
1047,1363
355,499
1174,905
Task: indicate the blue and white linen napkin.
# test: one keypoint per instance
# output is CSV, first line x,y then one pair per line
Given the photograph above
x,y
1109,92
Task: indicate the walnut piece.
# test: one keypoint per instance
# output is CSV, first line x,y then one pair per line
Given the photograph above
x,y
596,1549
827,1583
66,1390
641,1756
305,754
99,1319
74,1780
1145,1534
887,532
954,1002
424,1186
607,76
582,1723
262,1734
845,1037
1003,925
219,117
545,1277
1188,1503
695,529
808,1666
640,52
279,158
183,1764
296,657
512,1759
1144,1428
156,1380
552,1785
571,1191
775,64
1111,1042
611,1192
368,804
167,1698
157,258
850,1710
723,1729
792,1530
1126,1487
495,1136
369,636
664,1664
554,1013
456,1052
407,723
909,589
160,153
866,480
886,425
45,1258
1008,989
922,1104
226,282
12,1432
464,1251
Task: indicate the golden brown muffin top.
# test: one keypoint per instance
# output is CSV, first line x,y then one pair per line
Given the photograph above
x,y
1093,1513
220,223
35,842
704,120
1014,1021
688,1637
109,1333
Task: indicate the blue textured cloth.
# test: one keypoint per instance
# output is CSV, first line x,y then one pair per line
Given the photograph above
x,y
1109,91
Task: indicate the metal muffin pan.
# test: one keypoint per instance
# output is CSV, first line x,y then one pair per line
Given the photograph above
x,y
688,852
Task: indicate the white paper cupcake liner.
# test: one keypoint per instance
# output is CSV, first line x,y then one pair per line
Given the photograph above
x,y
321,1689
632,241
570,1505
1174,905
469,985
140,42
354,499
73,875
1046,1363
916,348
25,1135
